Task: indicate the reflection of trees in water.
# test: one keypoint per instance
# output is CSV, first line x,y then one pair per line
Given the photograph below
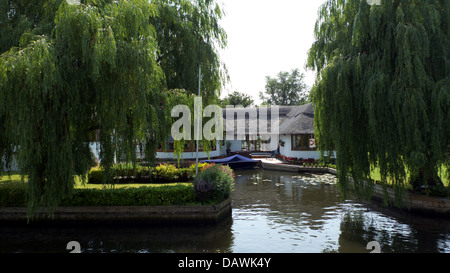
x,y
358,228
300,206
120,238
288,199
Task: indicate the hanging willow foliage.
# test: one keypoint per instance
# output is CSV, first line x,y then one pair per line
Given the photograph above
x,y
189,36
73,70
69,72
382,92
180,97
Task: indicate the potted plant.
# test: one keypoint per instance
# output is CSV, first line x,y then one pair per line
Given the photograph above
x,y
228,145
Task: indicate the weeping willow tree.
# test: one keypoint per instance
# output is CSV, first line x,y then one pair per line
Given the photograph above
x,y
189,35
184,98
70,70
382,93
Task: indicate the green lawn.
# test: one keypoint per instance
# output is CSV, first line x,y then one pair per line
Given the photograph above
x,y
16,178
11,178
375,175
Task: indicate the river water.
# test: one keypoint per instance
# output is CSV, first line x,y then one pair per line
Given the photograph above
x,y
273,212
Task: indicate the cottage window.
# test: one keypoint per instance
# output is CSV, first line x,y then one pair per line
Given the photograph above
x,y
252,144
303,143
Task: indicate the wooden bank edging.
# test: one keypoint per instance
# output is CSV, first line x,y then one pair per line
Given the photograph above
x,y
417,203
123,214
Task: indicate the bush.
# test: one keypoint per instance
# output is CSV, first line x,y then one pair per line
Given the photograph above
x,y
143,196
166,173
215,183
201,167
96,175
13,195
127,173
185,174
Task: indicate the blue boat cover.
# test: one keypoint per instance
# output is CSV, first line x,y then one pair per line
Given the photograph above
x,y
234,158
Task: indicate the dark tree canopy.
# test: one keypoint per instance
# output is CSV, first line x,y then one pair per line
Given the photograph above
x,y
382,93
237,98
67,71
286,89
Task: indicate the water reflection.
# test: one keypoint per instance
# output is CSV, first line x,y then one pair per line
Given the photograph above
x,y
305,214
272,212
395,231
120,239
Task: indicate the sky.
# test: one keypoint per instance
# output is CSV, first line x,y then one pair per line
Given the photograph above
x,y
266,37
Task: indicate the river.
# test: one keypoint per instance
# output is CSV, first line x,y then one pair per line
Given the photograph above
x,y
273,212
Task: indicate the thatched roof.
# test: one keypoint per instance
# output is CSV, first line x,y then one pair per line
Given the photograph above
x,y
299,121
292,119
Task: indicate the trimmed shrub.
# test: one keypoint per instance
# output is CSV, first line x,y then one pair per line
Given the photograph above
x,y
214,183
14,196
127,173
143,196
201,167
185,174
166,173
96,175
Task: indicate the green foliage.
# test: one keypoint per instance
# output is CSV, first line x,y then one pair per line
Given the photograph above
x,y
129,173
15,196
76,70
188,33
382,94
215,182
143,196
237,98
287,89
201,167
183,97
67,71
96,176
166,173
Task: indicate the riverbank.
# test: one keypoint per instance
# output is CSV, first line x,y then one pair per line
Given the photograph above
x,y
194,214
415,203
167,203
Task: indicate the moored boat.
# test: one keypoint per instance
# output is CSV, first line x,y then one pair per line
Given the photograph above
x,y
236,162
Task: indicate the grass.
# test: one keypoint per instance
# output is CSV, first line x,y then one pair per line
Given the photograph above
x,y
375,175
13,177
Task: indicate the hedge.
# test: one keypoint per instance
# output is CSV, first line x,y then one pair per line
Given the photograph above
x,y
127,173
214,184
14,196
